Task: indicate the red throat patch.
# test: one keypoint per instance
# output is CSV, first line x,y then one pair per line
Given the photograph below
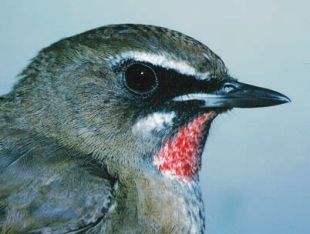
x,y
181,155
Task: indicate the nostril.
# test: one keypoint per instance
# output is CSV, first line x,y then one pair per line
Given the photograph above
x,y
229,87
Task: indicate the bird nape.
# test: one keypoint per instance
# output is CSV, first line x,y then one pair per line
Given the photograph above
x,y
104,132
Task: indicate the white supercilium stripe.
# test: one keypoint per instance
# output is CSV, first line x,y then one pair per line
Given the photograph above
x,y
161,60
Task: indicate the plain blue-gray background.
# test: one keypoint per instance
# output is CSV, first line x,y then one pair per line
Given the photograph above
x,y
256,167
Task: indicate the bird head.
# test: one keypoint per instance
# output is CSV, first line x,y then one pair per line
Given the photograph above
x,y
137,97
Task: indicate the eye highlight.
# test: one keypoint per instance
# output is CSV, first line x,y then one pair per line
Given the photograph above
x,y
140,79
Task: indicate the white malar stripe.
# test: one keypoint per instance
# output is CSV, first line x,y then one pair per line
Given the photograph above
x,y
210,100
161,60
194,96
153,122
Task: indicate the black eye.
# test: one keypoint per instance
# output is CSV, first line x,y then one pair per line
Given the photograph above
x,y
140,79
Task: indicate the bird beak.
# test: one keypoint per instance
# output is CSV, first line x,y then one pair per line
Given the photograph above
x,y
235,94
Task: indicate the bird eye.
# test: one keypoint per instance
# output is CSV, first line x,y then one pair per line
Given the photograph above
x,y
140,79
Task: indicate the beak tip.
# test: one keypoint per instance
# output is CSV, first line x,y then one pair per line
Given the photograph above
x,y
284,99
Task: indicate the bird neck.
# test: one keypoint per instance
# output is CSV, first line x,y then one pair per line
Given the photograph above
x,y
154,203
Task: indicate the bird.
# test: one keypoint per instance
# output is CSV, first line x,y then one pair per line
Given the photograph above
x,y
104,132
